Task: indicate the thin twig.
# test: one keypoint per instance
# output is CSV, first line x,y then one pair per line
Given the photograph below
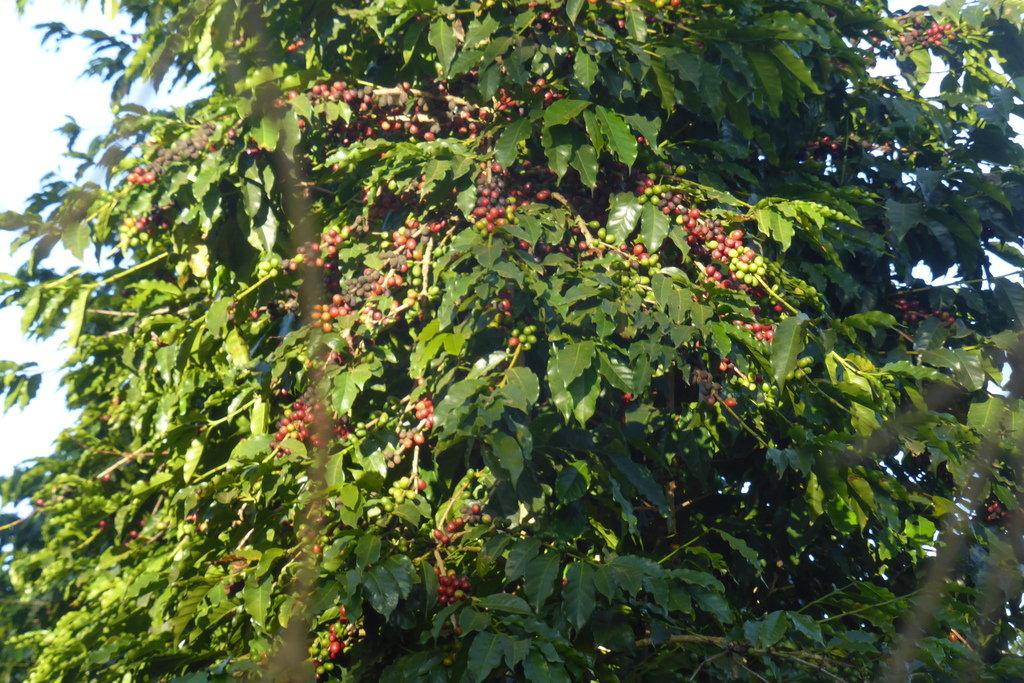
x,y
818,667
754,673
707,660
592,244
122,462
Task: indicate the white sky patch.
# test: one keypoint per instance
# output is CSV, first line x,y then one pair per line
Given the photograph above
x,y
42,87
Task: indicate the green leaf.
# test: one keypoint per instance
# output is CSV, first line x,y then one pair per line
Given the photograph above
x,y
768,75
540,576
515,649
367,550
594,130
76,316
507,147
519,557
636,24
1011,295
442,38
585,161
266,562
522,388
257,600
480,31
773,223
30,308
411,38
569,362
584,67
572,389
620,138
237,349
616,372
75,238
806,625
987,417
484,654
267,134
381,590
787,345
630,571
772,630
538,669
347,386
217,316
192,456
573,481
560,144
564,111
507,456
578,594
502,602
623,215
572,8
902,216
796,66
654,226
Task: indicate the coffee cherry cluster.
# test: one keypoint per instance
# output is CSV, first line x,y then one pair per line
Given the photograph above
x,y
732,265
635,258
296,44
268,267
913,311
139,231
400,112
452,633
277,309
330,645
995,512
452,587
392,458
423,411
761,331
298,419
494,207
803,368
708,389
666,199
827,146
189,149
471,514
915,35
443,535
721,254
405,488
407,440
525,337
548,95
325,314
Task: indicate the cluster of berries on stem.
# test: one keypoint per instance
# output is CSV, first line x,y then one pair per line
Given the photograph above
x,y
451,587
911,311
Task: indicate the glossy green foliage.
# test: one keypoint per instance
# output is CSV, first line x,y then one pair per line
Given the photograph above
x,y
508,341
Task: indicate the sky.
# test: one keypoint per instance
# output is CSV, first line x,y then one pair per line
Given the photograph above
x,y
43,87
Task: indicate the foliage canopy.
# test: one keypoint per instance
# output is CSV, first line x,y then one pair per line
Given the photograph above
x,y
511,341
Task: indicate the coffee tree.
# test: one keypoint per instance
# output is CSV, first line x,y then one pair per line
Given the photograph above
x,y
515,341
